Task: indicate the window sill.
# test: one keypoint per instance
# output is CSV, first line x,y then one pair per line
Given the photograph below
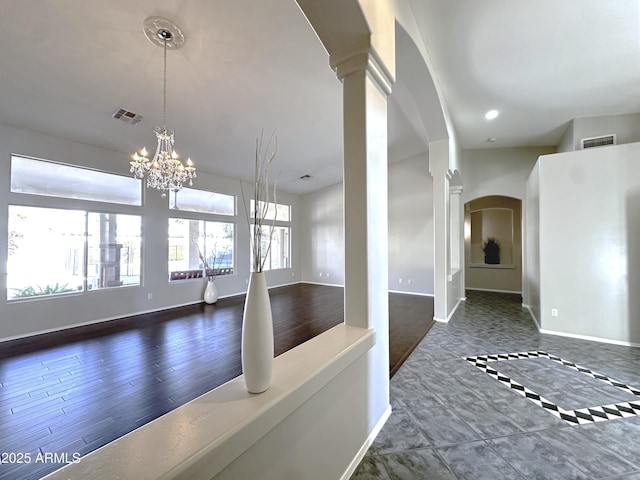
x,y
181,275
274,270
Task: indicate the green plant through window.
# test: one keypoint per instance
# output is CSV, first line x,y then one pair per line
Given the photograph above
x,y
54,251
32,291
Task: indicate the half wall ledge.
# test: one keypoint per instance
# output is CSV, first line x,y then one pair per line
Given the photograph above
x,y
201,438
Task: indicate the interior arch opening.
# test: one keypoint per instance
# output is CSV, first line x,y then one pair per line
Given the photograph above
x,y
493,244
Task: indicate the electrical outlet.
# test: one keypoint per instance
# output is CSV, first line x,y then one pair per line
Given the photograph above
x,y
399,280
327,274
319,274
554,312
409,281
149,296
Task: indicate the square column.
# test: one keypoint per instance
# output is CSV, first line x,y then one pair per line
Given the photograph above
x,y
365,88
365,200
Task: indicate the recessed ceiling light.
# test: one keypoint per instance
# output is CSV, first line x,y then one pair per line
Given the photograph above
x,y
491,114
491,139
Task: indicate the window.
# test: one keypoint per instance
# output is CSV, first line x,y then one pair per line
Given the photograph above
x,y
40,177
278,255
275,211
53,251
46,249
113,242
194,242
192,200
276,227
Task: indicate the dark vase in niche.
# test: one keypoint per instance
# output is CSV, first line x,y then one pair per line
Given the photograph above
x,y
491,251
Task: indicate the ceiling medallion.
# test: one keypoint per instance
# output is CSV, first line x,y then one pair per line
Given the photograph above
x,y
153,28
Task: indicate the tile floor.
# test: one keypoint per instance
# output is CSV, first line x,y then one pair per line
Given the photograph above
x,y
453,419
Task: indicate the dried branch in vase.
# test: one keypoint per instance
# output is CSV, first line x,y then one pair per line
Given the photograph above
x,y
210,272
264,195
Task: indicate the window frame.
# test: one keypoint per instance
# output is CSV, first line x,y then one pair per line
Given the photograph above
x,y
140,191
192,274
85,250
275,224
174,205
36,200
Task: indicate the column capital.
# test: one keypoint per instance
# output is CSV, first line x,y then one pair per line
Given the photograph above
x,y
361,57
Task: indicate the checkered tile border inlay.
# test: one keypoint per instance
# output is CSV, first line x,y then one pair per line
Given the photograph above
x,y
573,417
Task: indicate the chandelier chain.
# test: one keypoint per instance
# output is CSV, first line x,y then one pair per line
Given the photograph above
x,y
164,86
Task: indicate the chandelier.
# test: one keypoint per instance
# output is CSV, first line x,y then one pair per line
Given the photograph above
x,y
165,171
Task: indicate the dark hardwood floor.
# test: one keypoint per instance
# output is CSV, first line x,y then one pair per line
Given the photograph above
x,y
410,318
76,390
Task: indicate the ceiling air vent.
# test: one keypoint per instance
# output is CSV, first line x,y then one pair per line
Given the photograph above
x,y
599,141
126,116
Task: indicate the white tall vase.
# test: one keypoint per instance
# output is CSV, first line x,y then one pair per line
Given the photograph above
x,y
257,335
211,292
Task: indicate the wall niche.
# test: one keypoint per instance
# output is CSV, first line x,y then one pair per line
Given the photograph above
x,y
492,236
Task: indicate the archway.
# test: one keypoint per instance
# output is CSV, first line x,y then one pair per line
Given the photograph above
x,y
493,244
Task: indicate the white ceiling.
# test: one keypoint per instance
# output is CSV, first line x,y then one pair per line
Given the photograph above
x,y
540,63
67,65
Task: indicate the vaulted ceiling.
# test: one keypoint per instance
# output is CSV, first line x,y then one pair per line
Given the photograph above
x,y
67,65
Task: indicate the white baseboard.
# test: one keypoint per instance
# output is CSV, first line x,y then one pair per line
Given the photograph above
x,y
93,322
365,446
323,284
492,290
125,315
591,339
453,310
417,294
533,317
575,335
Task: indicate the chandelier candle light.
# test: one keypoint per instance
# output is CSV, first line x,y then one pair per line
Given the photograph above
x,y
165,171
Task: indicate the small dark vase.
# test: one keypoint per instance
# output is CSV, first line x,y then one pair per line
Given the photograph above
x,y
491,252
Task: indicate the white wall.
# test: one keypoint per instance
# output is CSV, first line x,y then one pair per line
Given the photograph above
x,y
531,248
499,171
319,440
626,127
504,172
410,230
44,314
589,256
411,226
322,236
566,143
